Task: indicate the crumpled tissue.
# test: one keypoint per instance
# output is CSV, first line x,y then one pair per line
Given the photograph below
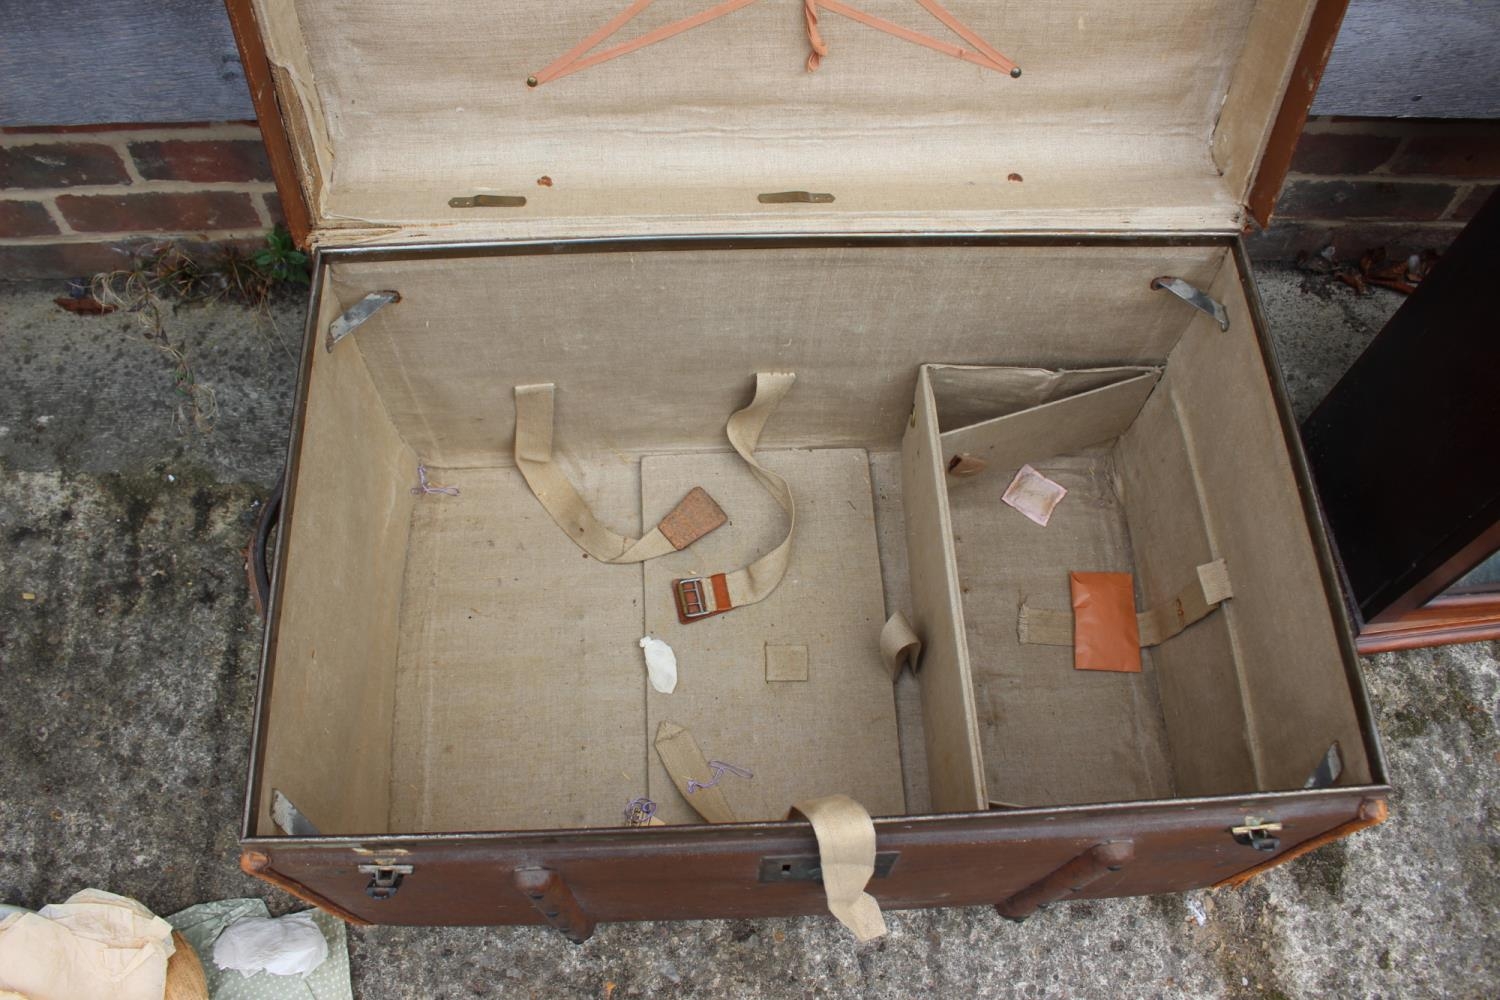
x,y
283,946
661,664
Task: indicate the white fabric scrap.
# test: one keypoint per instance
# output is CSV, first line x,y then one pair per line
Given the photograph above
x,y
283,946
1034,495
661,664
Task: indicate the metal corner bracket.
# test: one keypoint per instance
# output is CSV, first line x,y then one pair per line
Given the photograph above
x,y
1195,297
357,314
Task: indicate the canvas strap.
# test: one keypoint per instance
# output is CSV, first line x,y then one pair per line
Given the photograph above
x,y
705,596
846,855
577,58
1209,589
899,645
691,773
690,520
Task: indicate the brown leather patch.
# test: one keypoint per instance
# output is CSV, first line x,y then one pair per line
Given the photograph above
x,y
721,592
1106,635
690,520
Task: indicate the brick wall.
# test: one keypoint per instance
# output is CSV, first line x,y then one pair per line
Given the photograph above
x,y
69,198
1361,183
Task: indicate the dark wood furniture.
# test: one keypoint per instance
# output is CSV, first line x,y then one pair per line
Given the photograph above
x,y
1404,451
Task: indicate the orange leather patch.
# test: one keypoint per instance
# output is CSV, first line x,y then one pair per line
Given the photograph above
x,y
1106,635
690,520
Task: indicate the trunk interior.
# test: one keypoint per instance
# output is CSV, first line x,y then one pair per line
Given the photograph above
x,y
450,663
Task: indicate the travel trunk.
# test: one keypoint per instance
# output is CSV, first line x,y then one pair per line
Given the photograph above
x,y
535,310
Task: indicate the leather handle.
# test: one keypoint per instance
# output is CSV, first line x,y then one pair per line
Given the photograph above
x,y
555,902
1083,871
257,560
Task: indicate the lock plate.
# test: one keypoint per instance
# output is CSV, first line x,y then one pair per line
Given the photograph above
x,y
809,867
385,880
1258,833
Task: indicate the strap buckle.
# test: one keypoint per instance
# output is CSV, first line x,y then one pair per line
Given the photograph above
x,y
692,602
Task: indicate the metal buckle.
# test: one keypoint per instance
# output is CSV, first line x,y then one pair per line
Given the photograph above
x,y
690,598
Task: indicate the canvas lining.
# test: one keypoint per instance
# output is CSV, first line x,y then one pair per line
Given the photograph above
x,y
1127,117
1200,473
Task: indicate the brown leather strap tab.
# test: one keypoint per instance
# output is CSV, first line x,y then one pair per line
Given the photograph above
x,y
690,520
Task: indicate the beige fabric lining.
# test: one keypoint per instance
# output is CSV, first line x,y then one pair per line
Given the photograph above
x,y
1298,699
424,103
955,764
1197,673
1055,426
1053,735
333,690
967,395
835,732
890,533
510,715
854,324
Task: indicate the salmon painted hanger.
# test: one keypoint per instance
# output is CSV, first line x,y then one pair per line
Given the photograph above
x,y
577,58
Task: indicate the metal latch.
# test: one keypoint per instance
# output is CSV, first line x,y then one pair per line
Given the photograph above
x,y
1195,297
1258,833
809,867
385,880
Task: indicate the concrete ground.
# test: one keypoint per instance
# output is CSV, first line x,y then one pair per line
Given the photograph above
x,y
128,655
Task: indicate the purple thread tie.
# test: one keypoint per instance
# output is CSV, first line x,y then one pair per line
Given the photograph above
x,y
638,812
423,487
718,767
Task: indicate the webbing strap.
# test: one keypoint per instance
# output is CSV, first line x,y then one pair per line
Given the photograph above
x,y
899,645
846,855
577,58
690,520
690,772
704,597
1209,589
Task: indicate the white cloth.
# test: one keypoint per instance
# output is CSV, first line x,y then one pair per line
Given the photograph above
x,y
283,946
96,946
